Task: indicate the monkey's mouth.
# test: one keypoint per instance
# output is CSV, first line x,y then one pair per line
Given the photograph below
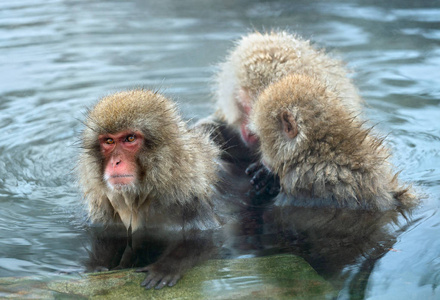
x,y
248,136
120,180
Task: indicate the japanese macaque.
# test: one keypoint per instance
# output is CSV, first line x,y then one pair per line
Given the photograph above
x,y
142,168
257,61
321,152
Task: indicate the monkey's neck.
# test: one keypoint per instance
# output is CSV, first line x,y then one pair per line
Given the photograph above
x,y
132,209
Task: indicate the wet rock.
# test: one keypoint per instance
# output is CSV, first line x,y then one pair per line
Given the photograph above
x,y
272,277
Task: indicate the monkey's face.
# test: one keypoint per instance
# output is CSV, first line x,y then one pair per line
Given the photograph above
x,y
245,105
124,137
119,152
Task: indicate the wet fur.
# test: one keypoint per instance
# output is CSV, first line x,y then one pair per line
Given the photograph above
x,y
260,59
178,167
334,160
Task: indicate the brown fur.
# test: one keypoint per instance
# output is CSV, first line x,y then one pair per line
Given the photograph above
x,y
332,160
178,167
256,61
260,59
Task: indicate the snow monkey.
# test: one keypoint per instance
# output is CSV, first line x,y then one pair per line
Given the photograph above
x,y
141,167
258,60
321,152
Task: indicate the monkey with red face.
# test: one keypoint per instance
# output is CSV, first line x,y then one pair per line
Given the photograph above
x,y
143,169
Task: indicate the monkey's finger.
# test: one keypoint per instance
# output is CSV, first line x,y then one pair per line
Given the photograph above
x,y
260,178
150,281
153,282
252,168
147,279
174,280
144,269
163,282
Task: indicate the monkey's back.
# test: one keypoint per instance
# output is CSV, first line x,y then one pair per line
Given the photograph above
x,y
261,59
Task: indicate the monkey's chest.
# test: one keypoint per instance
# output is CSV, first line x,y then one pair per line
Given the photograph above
x,y
133,210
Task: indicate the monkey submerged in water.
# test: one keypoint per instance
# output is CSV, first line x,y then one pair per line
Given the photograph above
x,y
141,167
321,152
258,60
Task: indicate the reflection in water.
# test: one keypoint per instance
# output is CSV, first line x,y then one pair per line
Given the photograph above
x,y
168,254
341,245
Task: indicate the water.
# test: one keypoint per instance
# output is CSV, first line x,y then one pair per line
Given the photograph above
x,y
58,57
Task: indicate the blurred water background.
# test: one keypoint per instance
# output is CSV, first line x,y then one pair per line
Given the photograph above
x,y
58,57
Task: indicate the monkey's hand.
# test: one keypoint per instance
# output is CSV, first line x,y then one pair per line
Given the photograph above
x,y
159,276
263,180
174,262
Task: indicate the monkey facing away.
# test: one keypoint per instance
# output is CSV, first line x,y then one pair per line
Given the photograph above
x,y
258,60
142,168
321,152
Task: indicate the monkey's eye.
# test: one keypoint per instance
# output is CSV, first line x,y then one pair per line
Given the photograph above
x,y
109,141
130,138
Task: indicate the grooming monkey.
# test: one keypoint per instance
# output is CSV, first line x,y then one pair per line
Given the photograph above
x,y
143,169
257,61
321,152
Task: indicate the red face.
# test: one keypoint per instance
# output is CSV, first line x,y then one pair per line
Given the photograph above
x,y
248,137
119,151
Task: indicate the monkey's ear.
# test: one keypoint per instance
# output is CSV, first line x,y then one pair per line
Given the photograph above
x,y
290,127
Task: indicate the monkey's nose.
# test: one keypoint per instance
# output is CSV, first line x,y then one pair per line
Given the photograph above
x,y
115,162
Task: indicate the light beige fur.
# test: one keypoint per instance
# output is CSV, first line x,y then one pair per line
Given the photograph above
x,y
178,167
260,59
333,160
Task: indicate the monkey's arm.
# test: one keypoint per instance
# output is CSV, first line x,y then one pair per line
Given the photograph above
x,y
235,151
227,138
214,126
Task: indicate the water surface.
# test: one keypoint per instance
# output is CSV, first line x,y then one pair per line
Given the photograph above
x,y
58,57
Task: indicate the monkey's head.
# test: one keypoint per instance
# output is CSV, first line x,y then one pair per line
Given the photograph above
x,y
299,120
257,61
124,135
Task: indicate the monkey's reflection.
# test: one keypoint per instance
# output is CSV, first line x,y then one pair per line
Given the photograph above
x,y
342,245
164,252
